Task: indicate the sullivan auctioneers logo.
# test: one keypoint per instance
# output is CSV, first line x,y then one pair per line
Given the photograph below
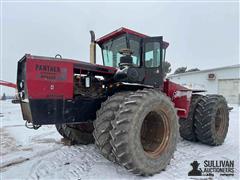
x,y
211,167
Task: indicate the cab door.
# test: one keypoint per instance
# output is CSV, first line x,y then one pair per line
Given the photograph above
x,y
152,56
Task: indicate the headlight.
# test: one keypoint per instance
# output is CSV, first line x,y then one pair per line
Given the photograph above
x,y
87,82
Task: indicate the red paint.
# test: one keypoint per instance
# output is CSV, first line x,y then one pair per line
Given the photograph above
x,y
8,84
181,103
44,83
118,32
53,78
121,31
77,64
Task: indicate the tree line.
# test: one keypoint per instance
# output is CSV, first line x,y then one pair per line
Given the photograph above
x,y
167,69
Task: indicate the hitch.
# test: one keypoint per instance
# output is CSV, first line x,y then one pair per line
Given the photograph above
x,y
32,126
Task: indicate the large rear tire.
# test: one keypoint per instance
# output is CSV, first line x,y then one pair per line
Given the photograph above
x,y
187,129
145,132
212,120
102,124
77,133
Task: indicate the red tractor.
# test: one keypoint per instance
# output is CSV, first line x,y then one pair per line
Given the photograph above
x,y
125,106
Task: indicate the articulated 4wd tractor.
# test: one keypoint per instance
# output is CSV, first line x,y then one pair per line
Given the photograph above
x,y
125,105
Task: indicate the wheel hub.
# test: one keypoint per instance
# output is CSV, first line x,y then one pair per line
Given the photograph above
x,y
155,132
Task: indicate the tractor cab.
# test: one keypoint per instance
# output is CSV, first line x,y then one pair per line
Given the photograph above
x,y
142,55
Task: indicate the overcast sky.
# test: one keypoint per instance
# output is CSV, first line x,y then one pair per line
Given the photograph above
x,y
202,35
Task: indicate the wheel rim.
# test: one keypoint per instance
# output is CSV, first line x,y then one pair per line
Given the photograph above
x,y
155,132
220,121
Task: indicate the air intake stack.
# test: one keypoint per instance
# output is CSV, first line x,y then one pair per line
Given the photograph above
x,y
92,48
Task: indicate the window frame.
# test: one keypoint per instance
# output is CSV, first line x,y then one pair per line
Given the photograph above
x,y
158,39
128,37
102,46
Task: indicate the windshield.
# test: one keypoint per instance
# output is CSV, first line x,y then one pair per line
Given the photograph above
x,y
110,50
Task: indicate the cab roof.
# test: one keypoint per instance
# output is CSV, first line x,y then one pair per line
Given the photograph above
x,y
121,31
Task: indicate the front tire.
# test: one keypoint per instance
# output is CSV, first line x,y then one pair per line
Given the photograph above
x,y
102,124
145,132
212,120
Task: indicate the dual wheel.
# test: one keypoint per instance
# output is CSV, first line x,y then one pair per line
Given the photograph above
x,y
208,120
139,130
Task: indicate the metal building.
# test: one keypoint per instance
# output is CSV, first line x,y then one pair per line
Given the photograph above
x,y
222,80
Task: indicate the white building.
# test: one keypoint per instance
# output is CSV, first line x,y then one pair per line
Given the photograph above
x,y
223,80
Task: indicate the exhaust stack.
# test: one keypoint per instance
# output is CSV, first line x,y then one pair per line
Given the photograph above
x,y
92,48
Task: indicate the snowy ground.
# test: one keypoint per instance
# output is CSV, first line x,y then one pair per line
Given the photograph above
x,y
40,154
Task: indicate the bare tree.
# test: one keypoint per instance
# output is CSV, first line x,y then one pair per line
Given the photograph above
x,y
166,68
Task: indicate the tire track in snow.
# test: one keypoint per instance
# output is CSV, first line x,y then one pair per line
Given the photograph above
x,y
72,162
21,159
8,143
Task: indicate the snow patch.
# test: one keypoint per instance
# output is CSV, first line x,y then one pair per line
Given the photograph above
x,y
40,154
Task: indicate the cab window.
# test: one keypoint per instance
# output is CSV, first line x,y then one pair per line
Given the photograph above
x,y
111,55
110,50
152,54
